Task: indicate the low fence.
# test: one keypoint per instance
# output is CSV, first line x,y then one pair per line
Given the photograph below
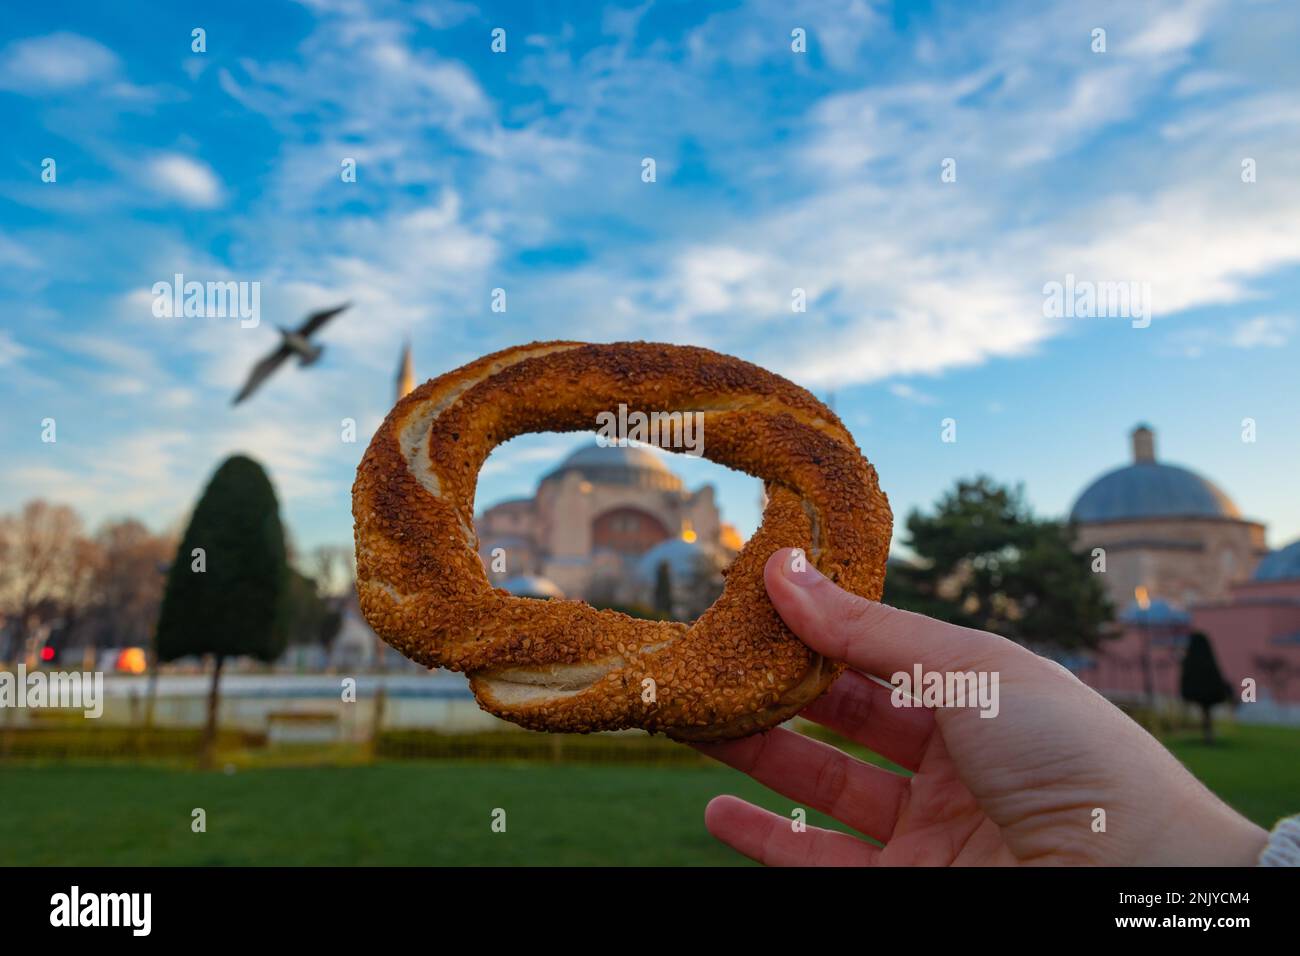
x,y
115,743
633,748
73,740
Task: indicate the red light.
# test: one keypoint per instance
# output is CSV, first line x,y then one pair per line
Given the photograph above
x,y
47,653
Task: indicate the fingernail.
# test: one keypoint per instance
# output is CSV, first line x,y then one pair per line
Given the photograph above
x,y
799,570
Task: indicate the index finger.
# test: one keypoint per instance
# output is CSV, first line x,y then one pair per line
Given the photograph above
x,y
873,637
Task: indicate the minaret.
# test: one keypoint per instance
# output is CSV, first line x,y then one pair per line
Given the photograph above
x,y
405,373
1144,444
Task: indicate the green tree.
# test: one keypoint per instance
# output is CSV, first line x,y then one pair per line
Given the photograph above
x,y
312,619
664,590
1201,682
983,560
226,590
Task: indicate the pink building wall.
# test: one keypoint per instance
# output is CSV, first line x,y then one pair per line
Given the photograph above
x,y
1241,629
1117,668
1246,627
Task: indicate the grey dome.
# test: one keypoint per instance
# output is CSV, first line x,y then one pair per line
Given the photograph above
x,y
1149,489
1280,565
532,586
1157,612
618,465
619,456
685,559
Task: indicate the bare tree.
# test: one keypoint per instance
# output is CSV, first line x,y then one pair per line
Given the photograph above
x,y
129,584
8,585
334,568
126,586
44,568
82,565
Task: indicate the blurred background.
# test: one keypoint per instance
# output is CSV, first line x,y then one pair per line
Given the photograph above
x,y
884,202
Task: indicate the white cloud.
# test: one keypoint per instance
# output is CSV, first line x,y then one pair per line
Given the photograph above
x,y
188,180
115,353
709,280
519,454
1197,242
1173,30
16,255
1261,331
909,393
904,275
442,14
759,31
55,63
10,350
1264,331
1198,82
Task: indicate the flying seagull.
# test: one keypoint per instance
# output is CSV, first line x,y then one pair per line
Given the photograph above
x,y
292,343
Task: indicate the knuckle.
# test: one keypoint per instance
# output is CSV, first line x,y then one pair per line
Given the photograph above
x,y
832,782
854,614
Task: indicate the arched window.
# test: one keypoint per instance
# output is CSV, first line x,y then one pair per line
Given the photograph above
x,y
627,531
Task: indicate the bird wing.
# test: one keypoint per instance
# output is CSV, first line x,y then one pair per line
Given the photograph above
x,y
317,319
262,371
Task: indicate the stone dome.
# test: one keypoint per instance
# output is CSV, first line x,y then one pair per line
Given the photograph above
x,y
1280,565
618,465
532,586
685,560
1157,613
1150,489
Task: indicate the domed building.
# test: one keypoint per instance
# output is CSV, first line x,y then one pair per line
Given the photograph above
x,y
1181,558
1280,565
1166,529
531,586
593,518
1255,632
694,569
684,559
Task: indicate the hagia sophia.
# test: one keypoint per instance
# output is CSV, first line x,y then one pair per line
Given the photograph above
x,y
600,526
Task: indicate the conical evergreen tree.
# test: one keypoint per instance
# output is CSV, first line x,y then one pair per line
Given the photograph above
x,y
664,590
1202,682
226,589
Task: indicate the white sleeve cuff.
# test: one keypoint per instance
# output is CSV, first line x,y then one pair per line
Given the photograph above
x,y
1283,847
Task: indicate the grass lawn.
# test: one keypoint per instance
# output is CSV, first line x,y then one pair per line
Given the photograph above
x,y
1255,769
421,813
390,813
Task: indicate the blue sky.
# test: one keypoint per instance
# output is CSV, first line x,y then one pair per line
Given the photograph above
x,y
775,170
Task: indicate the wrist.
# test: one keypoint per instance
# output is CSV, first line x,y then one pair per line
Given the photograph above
x,y
1232,840
1210,833
1246,848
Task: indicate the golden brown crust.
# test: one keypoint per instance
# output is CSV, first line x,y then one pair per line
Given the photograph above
x,y
563,665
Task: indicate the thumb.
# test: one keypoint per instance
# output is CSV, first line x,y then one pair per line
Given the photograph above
x,y
869,636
